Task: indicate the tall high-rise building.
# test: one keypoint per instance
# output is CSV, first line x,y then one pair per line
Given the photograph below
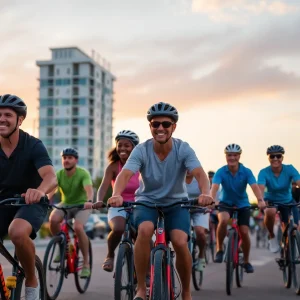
x,y
76,107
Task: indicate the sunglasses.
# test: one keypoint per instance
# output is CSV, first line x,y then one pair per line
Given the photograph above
x,y
278,156
165,124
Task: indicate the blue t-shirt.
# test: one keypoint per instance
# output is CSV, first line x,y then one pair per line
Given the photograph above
x,y
162,180
278,189
234,186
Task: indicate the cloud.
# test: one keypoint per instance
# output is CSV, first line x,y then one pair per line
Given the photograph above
x,y
238,10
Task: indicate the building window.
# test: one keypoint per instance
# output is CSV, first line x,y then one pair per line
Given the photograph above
x,y
57,71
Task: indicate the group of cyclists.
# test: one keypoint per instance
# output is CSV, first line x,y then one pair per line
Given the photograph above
x,y
163,169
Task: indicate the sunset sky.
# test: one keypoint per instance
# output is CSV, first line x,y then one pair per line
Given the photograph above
x,y
231,67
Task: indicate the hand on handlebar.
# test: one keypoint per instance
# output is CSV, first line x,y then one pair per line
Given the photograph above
x,y
205,200
115,201
33,196
261,204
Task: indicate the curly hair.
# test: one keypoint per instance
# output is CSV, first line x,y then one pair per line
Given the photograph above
x,y
113,155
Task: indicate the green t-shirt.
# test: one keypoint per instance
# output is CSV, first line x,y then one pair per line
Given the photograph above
x,y
72,188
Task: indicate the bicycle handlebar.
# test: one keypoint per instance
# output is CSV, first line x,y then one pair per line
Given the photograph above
x,y
20,201
272,204
252,206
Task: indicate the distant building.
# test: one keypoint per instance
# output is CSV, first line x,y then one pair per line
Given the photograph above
x,y
76,107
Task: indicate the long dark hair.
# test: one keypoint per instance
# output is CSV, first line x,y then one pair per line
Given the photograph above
x,y
113,155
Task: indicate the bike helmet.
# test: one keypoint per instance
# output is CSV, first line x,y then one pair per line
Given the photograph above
x,y
233,148
69,152
15,103
128,134
162,109
275,149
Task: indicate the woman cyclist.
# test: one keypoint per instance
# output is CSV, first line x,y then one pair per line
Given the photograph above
x,y
126,140
275,181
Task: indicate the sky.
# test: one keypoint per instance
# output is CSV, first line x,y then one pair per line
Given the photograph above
x,y
230,67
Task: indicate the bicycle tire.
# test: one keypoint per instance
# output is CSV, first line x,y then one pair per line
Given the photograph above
x,y
41,280
239,269
197,282
56,240
229,262
160,285
295,254
286,267
212,245
124,254
82,289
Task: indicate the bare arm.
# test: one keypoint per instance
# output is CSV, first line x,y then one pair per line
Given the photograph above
x,y
213,192
105,184
89,192
262,189
51,194
121,182
188,178
49,180
257,191
202,179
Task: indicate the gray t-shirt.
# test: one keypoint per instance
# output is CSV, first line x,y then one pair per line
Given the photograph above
x,y
193,189
162,181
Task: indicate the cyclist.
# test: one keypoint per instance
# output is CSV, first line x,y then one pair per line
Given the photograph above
x,y
163,162
125,140
199,220
26,170
275,182
234,178
75,186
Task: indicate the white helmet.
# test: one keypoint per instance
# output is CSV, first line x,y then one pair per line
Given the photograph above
x,y
233,148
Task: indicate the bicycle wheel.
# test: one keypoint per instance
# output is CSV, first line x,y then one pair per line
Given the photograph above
x,y
295,260
239,270
82,283
160,289
124,287
54,271
284,263
229,261
20,289
197,276
212,245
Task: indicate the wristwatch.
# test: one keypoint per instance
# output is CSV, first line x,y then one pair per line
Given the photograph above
x,y
91,201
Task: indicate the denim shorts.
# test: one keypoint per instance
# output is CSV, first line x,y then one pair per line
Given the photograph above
x,y
176,217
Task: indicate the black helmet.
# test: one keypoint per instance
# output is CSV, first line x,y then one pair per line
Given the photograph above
x,y
128,134
211,173
162,109
69,152
15,103
275,149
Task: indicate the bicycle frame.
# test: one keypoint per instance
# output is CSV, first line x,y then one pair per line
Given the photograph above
x,y
17,271
161,243
235,227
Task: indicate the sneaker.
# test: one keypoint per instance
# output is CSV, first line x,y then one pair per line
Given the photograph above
x,y
201,265
248,268
273,245
56,259
32,293
85,272
219,257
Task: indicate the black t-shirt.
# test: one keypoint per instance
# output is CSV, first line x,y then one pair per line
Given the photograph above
x,y
296,194
19,172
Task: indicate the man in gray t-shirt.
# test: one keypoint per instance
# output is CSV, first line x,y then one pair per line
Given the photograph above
x,y
163,162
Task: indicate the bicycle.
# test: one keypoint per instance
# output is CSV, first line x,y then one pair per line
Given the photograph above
x,y
233,256
289,249
12,287
162,278
194,250
71,259
125,262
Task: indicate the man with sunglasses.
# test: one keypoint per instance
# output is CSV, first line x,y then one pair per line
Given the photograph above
x,y
163,162
234,178
275,182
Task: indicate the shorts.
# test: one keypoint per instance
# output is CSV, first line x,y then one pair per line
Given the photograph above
x,y
34,214
114,212
284,213
214,218
175,218
80,215
199,219
243,214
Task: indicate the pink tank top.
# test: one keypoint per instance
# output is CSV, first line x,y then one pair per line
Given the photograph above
x,y
131,187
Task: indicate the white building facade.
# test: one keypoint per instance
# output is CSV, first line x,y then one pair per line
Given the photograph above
x,y
76,108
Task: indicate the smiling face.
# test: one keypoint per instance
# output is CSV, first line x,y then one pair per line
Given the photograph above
x,y
69,161
233,159
162,129
275,160
8,120
124,148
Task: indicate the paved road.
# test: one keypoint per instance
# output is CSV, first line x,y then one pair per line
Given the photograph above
x,y
265,283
